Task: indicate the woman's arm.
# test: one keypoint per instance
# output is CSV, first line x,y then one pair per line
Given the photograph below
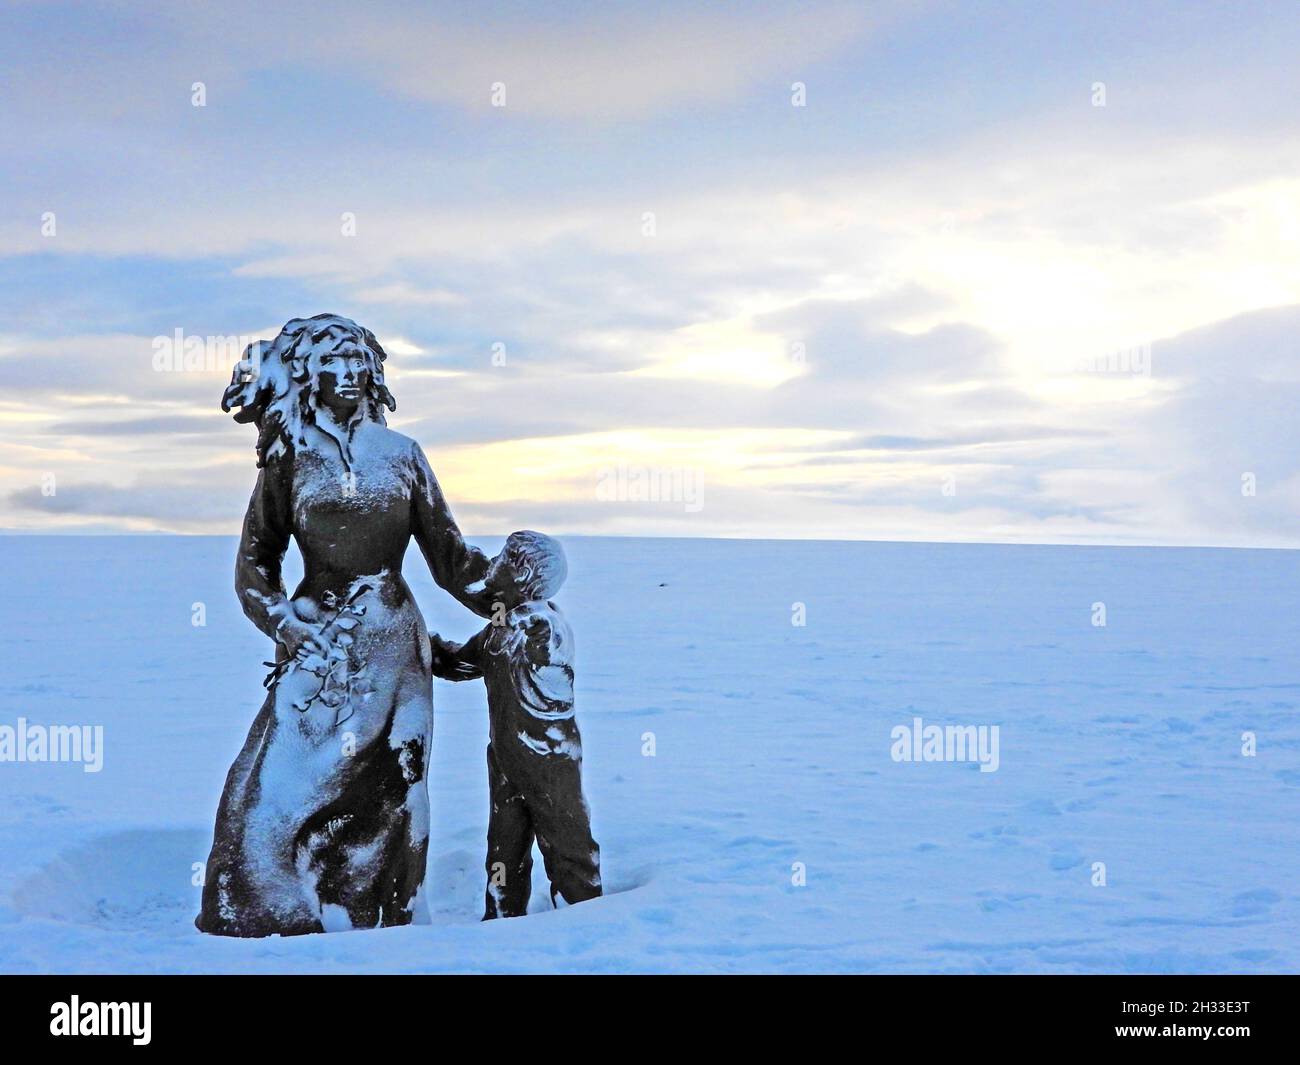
x,y
455,565
258,584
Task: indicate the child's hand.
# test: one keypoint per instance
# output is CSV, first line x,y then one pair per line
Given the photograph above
x,y
537,640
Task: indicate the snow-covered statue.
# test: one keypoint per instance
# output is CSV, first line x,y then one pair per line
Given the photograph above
x,y
324,820
525,658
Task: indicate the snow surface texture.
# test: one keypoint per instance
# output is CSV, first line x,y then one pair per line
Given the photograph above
x,y
1119,745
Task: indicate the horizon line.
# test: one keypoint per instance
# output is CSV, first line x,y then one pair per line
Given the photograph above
x,y
124,534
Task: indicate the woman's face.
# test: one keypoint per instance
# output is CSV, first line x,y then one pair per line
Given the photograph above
x,y
342,377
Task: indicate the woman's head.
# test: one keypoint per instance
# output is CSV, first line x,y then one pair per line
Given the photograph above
x,y
325,361
338,364
342,378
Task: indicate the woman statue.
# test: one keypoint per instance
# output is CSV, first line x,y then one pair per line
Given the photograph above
x,y
324,821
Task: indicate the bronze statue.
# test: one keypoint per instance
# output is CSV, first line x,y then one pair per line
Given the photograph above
x,y
324,820
534,756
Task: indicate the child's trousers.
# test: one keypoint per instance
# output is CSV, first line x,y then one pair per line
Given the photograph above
x,y
535,795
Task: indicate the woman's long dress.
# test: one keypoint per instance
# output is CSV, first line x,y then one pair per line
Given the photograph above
x,y
324,820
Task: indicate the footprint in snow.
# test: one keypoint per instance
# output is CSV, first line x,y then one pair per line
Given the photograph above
x,y
1254,902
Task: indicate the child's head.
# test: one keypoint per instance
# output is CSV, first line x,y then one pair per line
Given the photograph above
x,y
531,565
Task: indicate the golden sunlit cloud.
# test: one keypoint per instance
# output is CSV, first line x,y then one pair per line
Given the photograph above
x,y
732,351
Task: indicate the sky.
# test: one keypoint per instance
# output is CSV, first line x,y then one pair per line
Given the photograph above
x,y
908,271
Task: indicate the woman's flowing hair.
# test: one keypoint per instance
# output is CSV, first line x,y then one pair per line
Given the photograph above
x,y
274,384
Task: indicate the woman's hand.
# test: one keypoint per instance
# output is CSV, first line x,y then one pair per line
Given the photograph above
x,y
299,637
444,655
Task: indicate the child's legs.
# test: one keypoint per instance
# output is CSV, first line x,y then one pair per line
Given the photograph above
x,y
510,848
553,791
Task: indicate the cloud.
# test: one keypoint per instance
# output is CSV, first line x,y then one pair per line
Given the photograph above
x,y
180,424
597,65
846,339
836,308
1261,346
971,438
165,504
1227,433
